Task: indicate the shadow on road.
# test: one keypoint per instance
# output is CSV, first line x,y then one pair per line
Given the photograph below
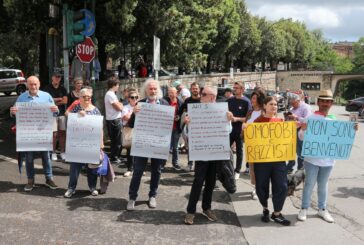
x,y
96,203
350,192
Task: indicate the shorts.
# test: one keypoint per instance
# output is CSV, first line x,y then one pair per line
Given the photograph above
x,y
59,123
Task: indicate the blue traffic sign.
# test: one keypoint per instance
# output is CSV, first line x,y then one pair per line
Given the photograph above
x,y
90,23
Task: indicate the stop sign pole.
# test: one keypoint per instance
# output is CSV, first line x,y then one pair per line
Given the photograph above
x,y
86,51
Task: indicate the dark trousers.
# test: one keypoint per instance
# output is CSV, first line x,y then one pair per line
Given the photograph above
x,y
130,160
75,169
236,137
204,172
300,158
114,130
174,143
275,172
139,167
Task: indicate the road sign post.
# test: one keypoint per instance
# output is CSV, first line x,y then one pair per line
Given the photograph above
x,y
156,56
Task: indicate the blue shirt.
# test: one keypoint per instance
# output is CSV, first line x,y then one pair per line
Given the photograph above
x,y
41,98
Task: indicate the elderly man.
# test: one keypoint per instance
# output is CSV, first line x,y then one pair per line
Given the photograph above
x,y
205,172
152,94
299,112
60,97
239,105
113,110
176,102
34,95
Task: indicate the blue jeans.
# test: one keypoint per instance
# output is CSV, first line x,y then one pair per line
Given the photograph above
x,y
139,167
174,142
75,169
300,158
46,161
321,176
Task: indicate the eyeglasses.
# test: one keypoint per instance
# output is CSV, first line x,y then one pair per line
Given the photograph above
x,y
205,94
134,97
86,97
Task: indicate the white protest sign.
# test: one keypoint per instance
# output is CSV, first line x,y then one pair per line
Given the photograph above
x,y
83,138
34,127
152,131
208,132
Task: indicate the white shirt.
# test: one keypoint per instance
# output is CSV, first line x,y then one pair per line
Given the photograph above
x,y
111,113
255,115
126,110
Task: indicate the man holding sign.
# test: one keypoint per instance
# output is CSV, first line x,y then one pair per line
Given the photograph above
x,y
319,156
208,145
152,121
36,97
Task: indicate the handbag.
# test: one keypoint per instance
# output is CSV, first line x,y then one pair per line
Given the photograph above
x,y
126,136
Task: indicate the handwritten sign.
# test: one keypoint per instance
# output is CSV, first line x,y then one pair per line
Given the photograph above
x,y
152,131
208,132
83,138
270,142
34,127
328,139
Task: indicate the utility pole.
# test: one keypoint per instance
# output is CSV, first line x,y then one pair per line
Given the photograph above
x,y
65,49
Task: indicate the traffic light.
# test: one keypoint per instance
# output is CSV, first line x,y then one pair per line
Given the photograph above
x,y
75,25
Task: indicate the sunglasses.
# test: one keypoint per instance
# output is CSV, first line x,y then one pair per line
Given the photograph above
x,y
205,94
134,97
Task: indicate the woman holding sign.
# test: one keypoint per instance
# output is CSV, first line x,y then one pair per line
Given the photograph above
x,y
85,107
274,172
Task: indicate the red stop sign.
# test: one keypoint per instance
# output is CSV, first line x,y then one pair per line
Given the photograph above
x,y
85,51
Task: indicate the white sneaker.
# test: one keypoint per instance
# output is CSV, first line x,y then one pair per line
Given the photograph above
x,y
69,193
302,215
54,157
152,202
325,215
131,205
63,156
254,195
127,173
94,192
237,176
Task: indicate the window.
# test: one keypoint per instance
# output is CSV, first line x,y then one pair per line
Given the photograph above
x,y
310,86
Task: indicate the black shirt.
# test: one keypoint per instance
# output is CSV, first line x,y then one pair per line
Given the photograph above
x,y
239,108
187,101
59,92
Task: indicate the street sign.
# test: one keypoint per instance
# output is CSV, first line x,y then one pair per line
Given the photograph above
x,y
85,51
90,23
156,53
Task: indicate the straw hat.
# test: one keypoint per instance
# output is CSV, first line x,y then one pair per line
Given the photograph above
x,y
325,95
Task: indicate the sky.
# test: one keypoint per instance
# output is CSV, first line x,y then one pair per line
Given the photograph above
x,y
339,20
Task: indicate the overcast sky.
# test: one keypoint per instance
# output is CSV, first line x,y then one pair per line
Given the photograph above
x,y
339,20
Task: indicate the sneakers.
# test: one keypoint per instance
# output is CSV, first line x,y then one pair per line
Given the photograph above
x,y
209,214
94,192
131,205
236,176
189,219
30,185
190,167
246,171
69,193
302,215
152,202
115,160
280,219
177,167
127,173
54,157
50,183
265,217
254,195
325,215
63,156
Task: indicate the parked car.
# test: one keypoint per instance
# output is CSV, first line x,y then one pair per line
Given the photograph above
x,y
12,80
355,104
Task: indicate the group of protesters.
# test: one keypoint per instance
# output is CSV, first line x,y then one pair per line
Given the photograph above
x,y
241,112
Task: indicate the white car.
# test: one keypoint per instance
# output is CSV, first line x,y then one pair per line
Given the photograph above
x,y
12,80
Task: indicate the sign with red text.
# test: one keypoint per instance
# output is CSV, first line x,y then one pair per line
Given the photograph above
x,y
208,132
84,136
152,131
86,51
270,142
34,127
